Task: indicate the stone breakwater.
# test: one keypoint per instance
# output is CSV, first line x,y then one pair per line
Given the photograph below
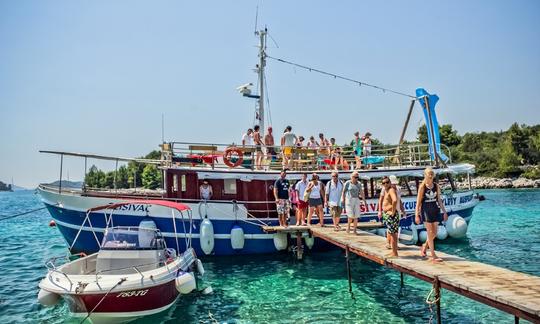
x,y
504,183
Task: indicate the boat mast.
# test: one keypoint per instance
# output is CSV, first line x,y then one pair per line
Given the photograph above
x,y
260,70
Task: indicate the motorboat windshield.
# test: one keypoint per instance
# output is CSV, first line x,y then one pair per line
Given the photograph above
x,y
132,238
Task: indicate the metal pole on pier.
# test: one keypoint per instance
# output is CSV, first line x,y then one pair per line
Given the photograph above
x,y
437,285
347,256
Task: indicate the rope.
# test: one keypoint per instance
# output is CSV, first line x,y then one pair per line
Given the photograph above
x,y
431,303
102,298
212,317
261,223
336,76
4,217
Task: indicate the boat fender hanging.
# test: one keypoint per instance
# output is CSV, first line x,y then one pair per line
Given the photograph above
x,y
423,236
310,241
414,231
230,153
207,236
442,233
237,237
47,298
200,268
185,283
381,232
456,226
280,241
52,223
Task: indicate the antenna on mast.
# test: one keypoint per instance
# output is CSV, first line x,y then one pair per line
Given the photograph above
x,y
256,18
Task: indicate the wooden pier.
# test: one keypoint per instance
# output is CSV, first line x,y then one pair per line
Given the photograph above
x,y
510,291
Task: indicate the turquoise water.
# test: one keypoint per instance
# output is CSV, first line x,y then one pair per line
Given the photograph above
x,y
505,231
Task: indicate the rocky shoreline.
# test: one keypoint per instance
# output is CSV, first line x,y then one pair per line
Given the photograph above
x,y
496,183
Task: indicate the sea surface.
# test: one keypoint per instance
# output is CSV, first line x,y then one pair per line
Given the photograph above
x,y
505,231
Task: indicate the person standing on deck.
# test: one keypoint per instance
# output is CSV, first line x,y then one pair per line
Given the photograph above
x,y
366,143
206,190
356,144
288,141
316,192
269,145
301,211
258,147
281,194
350,198
332,199
429,205
395,184
390,214
247,138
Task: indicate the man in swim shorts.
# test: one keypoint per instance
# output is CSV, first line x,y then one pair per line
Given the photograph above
x,y
390,214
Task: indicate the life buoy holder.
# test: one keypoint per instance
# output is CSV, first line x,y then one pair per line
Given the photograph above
x,y
230,153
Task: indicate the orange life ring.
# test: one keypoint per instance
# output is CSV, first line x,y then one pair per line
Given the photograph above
x,y
231,152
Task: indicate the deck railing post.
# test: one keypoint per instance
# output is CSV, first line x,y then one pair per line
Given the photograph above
x,y
61,165
347,256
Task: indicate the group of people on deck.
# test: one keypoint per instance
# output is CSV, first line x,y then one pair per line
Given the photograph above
x,y
265,148
309,197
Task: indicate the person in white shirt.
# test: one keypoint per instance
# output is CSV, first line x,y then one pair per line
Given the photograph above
x,y
288,141
332,199
206,190
302,208
247,138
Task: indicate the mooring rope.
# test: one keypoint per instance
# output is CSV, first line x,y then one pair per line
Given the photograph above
x,y
4,217
102,298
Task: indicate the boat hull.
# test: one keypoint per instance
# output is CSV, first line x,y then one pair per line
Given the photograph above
x,y
68,211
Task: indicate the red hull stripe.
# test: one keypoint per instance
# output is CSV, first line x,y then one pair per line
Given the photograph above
x,y
127,301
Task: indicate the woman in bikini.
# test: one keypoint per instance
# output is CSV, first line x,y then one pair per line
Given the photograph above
x,y
429,205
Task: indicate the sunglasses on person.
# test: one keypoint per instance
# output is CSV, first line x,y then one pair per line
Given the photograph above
x,y
334,176
356,177
385,182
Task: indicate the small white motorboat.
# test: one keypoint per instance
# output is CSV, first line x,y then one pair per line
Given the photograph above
x,y
134,274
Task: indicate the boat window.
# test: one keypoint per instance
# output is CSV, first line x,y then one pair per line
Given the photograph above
x,y
175,182
183,184
229,186
131,239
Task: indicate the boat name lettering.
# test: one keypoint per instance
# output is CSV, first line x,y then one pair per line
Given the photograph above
x,y
141,208
465,199
134,293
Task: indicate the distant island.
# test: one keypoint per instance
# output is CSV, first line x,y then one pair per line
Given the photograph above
x,y
5,187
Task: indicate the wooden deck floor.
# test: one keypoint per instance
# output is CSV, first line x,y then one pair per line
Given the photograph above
x,y
514,292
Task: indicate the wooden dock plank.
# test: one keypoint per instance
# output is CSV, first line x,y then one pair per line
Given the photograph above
x,y
514,292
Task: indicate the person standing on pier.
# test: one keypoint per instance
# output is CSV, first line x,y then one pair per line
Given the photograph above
x,y
390,214
429,205
316,194
394,182
350,198
332,199
281,193
302,209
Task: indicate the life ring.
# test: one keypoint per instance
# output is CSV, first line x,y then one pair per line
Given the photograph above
x,y
233,152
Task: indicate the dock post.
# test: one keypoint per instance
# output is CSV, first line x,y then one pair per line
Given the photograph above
x,y
516,319
347,254
437,285
402,284
299,249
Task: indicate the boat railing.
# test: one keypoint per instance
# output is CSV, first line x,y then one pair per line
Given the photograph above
x,y
227,156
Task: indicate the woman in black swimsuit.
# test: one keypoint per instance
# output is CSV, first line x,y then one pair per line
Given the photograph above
x,y
429,205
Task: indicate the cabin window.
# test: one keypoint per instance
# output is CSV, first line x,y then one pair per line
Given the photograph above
x,y
229,187
183,182
175,182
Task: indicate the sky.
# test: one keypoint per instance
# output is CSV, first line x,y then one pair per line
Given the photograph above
x,y
97,76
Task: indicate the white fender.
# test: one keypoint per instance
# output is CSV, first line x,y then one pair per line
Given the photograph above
x,y
280,241
414,233
207,236
47,298
145,237
442,233
200,268
310,241
185,283
456,226
423,236
237,237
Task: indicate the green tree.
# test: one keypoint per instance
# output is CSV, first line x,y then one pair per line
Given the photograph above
x,y
122,177
510,160
151,177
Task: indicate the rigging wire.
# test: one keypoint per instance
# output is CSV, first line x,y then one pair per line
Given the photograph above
x,y
337,76
269,115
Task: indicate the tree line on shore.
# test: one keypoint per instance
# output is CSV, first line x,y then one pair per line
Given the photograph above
x,y
511,153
